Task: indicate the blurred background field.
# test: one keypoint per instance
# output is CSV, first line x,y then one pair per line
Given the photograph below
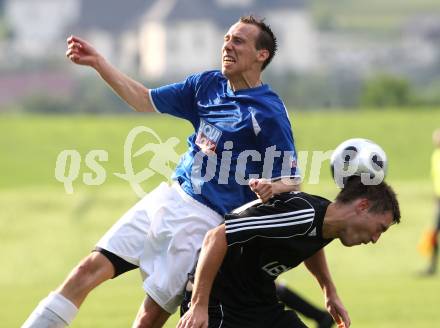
x,y
332,54
32,143
44,231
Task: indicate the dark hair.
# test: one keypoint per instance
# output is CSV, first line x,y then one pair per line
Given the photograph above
x,y
381,196
265,40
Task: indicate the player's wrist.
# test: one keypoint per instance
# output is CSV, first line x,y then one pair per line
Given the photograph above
x,y
199,300
330,291
98,63
199,304
284,185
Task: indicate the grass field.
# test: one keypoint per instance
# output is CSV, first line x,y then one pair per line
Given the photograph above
x,y
44,231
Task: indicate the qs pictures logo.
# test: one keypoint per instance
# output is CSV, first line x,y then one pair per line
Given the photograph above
x,y
163,157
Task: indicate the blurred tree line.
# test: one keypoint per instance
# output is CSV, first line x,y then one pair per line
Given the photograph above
x,y
344,89
90,96
334,90
324,89
336,87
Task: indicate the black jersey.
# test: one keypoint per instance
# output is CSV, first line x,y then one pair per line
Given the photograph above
x,y
264,241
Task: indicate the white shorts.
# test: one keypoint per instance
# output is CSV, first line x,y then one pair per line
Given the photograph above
x,y
162,234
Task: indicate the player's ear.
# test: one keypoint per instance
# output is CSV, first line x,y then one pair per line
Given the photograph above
x,y
363,204
262,55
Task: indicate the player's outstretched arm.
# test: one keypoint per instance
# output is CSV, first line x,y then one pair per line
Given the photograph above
x,y
132,92
211,257
317,265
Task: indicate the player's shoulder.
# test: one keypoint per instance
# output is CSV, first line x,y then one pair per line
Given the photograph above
x,y
299,199
271,107
271,98
288,202
211,75
207,79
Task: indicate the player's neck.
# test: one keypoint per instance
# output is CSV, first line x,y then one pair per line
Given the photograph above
x,y
245,81
334,220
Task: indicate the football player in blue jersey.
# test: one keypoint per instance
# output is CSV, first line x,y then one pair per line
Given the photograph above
x,y
241,258
242,148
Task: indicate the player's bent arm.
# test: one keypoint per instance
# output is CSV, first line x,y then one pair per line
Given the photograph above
x,y
317,265
265,188
211,257
81,52
286,185
132,92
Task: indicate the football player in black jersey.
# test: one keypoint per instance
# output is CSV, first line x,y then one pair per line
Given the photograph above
x,y
296,302
234,282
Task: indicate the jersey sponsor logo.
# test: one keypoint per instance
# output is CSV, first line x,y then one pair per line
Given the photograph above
x,y
208,137
274,269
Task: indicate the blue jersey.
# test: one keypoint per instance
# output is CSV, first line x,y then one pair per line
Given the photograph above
x,y
238,135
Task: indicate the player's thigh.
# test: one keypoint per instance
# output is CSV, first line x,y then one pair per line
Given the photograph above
x,y
126,238
178,226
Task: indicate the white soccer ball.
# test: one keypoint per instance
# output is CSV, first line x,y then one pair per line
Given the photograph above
x,y
361,157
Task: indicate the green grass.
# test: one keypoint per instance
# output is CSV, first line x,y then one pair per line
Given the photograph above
x,y
30,145
44,232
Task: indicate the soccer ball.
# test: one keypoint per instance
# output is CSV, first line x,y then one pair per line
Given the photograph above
x,y
361,157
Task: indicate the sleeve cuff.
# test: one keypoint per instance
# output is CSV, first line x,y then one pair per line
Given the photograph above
x,y
152,101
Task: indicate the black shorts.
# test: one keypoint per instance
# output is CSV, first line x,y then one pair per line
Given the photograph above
x,y
224,316
119,264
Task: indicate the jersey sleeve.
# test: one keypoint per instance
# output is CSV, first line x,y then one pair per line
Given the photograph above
x,y
276,144
275,219
177,99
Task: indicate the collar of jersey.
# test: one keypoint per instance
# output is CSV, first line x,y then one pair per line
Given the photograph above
x,y
260,89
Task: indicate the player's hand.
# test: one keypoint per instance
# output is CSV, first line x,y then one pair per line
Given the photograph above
x,y
337,310
195,317
81,52
263,188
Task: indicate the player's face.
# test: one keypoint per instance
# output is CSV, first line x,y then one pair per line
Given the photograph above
x,y
366,227
239,54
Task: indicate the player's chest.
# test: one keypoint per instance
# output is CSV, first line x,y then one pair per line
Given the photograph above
x,y
224,127
274,261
